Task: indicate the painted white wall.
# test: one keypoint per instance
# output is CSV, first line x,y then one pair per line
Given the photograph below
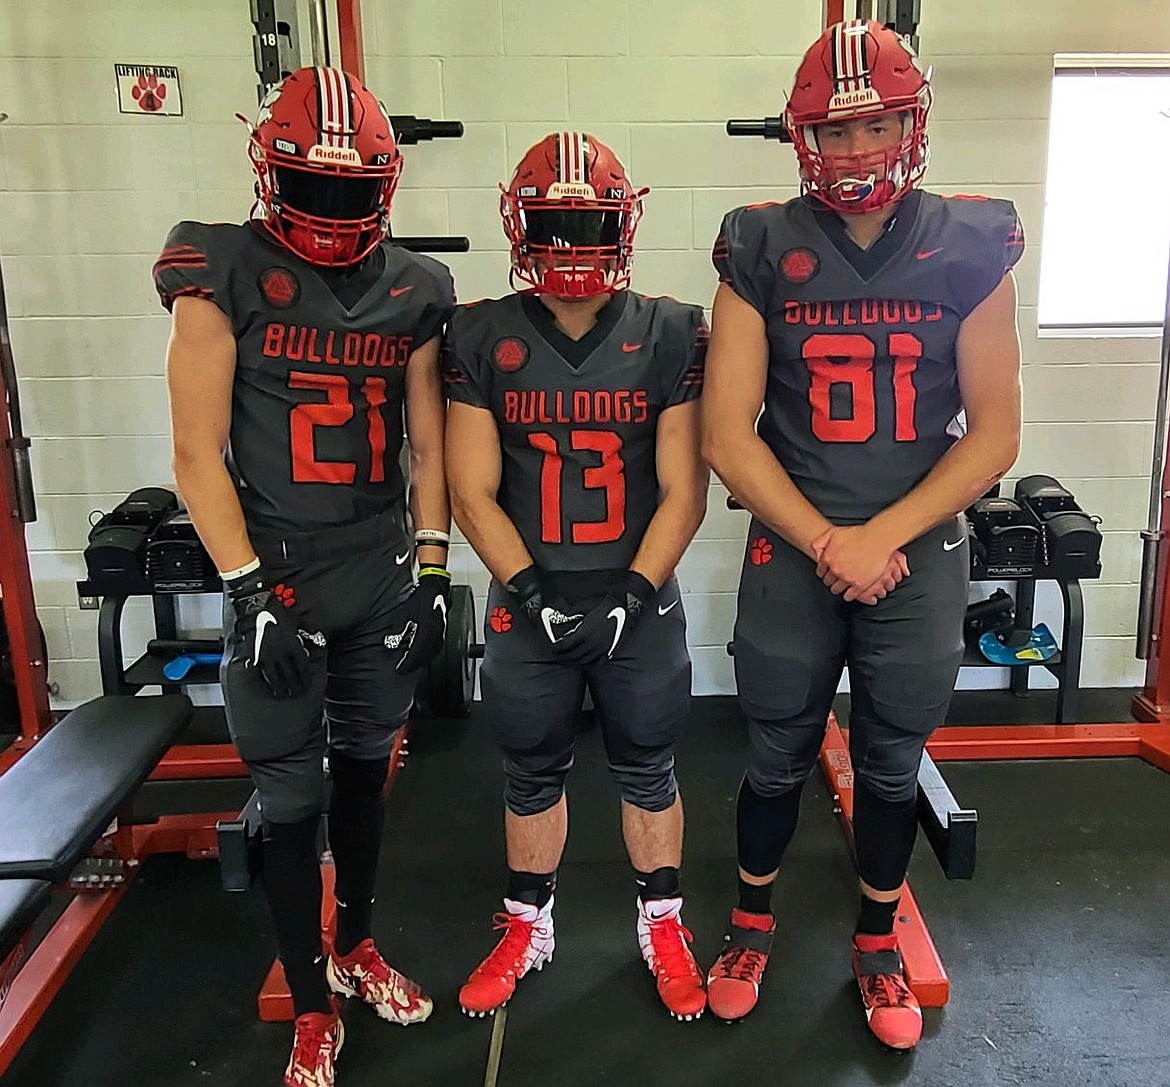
x,y
87,195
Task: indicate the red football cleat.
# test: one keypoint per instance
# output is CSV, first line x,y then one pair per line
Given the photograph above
x,y
891,1009
664,944
364,973
733,985
527,944
318,1040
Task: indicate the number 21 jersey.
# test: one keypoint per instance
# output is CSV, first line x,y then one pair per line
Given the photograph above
x,y
317,418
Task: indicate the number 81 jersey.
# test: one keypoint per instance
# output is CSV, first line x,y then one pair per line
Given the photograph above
x,y
862,395
578,435
317,395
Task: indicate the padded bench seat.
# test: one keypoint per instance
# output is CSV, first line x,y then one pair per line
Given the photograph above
x,y
20,901
57,799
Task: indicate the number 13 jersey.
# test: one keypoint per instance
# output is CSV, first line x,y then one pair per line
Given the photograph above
x,y
862,396
577,419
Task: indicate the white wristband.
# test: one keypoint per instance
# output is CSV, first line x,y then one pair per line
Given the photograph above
x,y
247,568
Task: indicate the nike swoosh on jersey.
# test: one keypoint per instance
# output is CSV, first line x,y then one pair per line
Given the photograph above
x,y
400,559
628,347
663,611
926,254
618,615
396,291
263,621
948,546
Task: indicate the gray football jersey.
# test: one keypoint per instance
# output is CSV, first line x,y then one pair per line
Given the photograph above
x,y
317,419
862,396
578,443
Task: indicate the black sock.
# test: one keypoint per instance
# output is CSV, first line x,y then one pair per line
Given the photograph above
x,y
755,898
531,888
661,883
876,918
292,885
356,814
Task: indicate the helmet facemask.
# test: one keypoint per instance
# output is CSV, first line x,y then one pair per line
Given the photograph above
x,y
573,247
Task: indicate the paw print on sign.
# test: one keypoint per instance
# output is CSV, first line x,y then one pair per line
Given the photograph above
x,y
285,594
501,620
149,93
760,552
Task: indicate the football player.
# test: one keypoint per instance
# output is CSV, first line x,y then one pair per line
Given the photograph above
x,y
298,340
573,446
870,328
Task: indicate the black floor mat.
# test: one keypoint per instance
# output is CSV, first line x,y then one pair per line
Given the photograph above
x,y
1057,953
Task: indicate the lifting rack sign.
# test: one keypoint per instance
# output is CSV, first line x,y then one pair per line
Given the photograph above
x,y
150,89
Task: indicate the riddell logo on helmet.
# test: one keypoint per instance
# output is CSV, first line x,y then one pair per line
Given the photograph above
x,y
853,99
562,190
348,155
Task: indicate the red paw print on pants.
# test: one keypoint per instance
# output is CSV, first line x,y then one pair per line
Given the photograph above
x,y
149,93
285,594
501,620
760,552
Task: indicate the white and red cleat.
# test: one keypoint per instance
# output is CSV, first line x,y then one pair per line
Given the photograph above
x,y
364,973
318,1040
891,1009
664,944
527,944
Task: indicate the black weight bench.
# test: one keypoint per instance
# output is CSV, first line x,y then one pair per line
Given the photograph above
x,y
57,800
55,803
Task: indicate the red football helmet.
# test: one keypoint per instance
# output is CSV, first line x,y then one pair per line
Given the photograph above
x,y
570,214
327,165
859,69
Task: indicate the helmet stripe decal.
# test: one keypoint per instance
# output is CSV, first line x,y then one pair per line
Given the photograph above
x,y
572,151
333,108
849,56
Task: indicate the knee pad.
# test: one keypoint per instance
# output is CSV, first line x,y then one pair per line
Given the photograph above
x,y
782,754
533,785
646,778
892,775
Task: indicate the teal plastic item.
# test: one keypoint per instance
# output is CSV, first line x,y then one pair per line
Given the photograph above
x,y
1040,647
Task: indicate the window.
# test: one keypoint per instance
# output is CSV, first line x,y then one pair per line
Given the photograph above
x,y
1106,241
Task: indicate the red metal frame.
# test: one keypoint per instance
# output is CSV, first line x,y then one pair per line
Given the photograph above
x,y
925,973
833,11
29,668
1150,742
1153,704
39,976
349,31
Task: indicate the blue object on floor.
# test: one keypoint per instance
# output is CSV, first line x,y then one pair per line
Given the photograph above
x,y
1040,647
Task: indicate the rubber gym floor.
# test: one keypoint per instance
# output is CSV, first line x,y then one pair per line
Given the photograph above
x,y
1057,951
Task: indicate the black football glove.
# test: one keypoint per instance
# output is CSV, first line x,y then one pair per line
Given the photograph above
x,y
266,637
426,625
600,630
527,591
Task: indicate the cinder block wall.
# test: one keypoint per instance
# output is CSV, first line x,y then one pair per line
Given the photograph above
x,y
87,195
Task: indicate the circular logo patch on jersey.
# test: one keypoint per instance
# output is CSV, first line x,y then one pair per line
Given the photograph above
x,y
510,354
799,265
279,287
